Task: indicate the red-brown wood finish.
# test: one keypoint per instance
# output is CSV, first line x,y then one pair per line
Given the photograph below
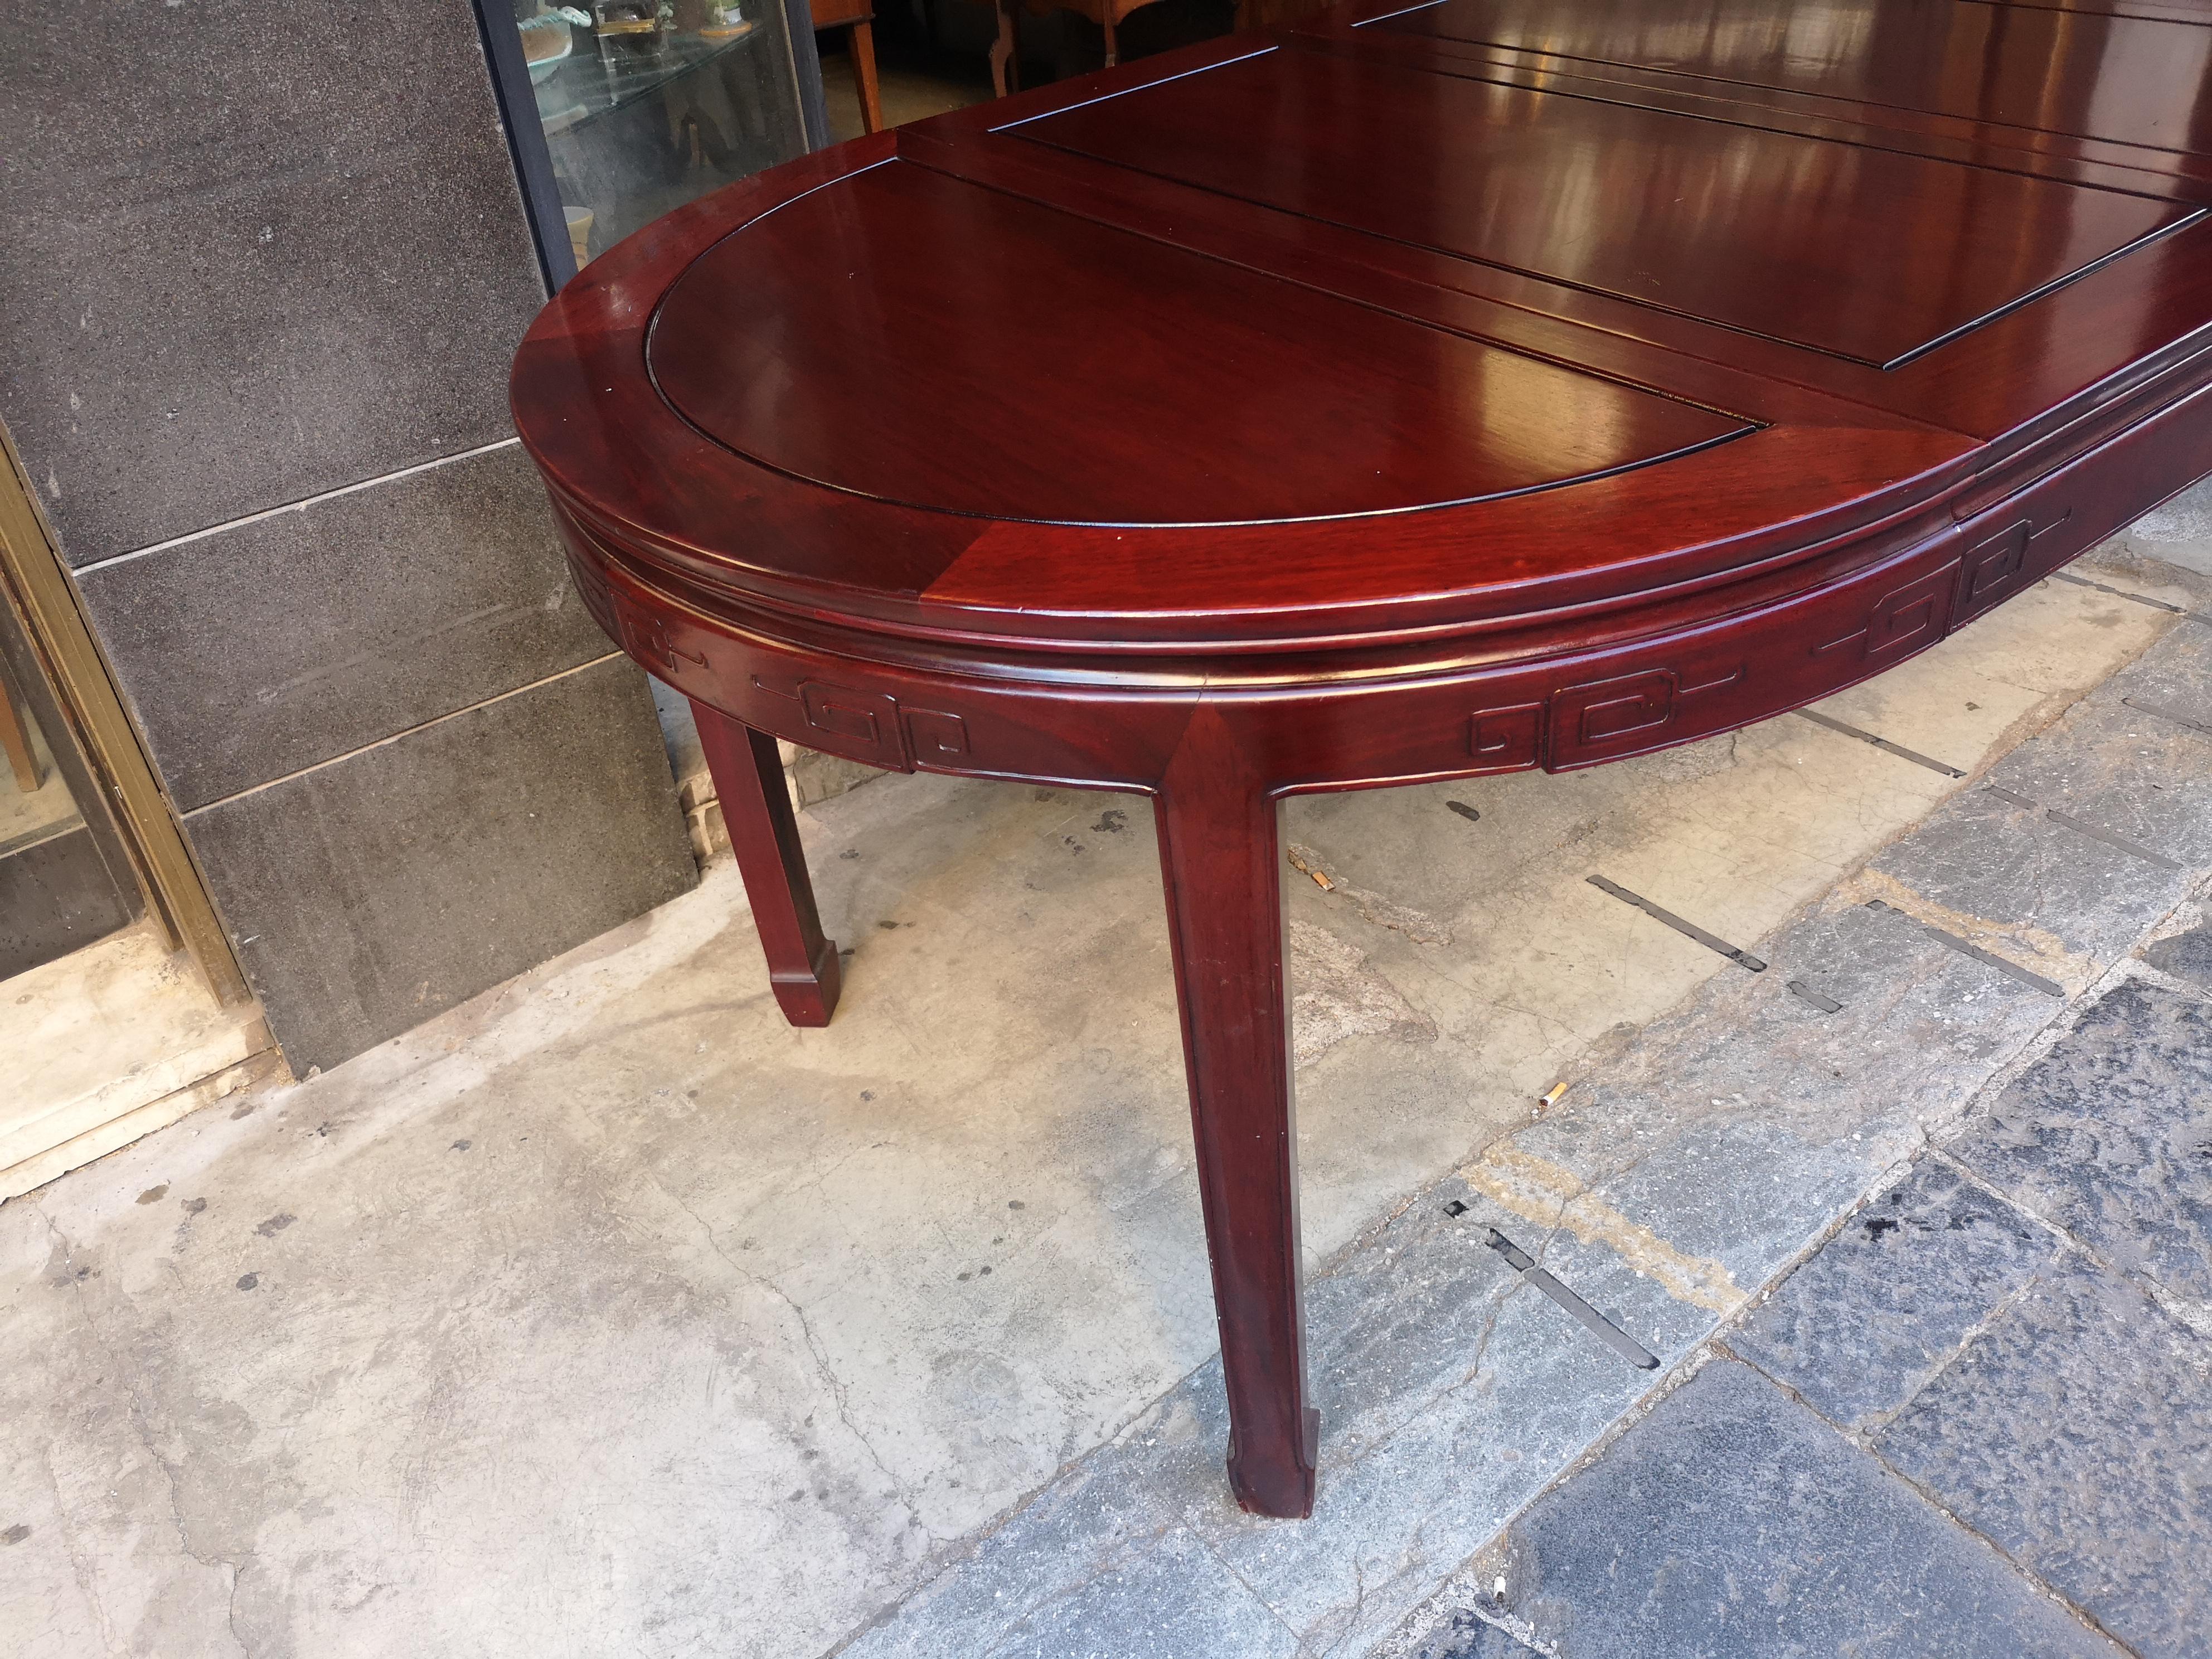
x,y
1391,395
747,768
1222,874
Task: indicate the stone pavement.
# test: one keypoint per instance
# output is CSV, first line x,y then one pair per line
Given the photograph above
x,y
1978,1420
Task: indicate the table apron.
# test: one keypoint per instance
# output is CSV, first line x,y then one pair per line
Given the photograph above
x,y
1559,714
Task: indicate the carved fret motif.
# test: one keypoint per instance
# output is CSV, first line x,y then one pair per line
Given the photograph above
x,y
1903,620
1999,565
867,726
1584,724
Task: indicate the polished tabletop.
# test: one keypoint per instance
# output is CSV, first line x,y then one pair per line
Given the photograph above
x,y
1405,393
1666,277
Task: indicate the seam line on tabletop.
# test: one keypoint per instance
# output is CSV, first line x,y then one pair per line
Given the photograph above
x,y
1618,95
1849,112
1419,5
1768,86
2187,217
1124,92
1613,295
2000,313
952,164
1650,387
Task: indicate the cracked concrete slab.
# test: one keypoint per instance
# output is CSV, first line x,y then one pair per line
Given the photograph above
x,y
1338,996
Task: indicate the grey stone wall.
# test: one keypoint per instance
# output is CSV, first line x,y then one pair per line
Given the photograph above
x,y
266,268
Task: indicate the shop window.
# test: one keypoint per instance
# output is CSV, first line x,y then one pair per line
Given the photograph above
x,y
618,111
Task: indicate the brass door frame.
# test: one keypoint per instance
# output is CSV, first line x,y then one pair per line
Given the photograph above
x,y
38,583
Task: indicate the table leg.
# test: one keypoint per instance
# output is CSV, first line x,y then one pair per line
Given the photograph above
x,y
1220,863
860,41
1007,51
802,966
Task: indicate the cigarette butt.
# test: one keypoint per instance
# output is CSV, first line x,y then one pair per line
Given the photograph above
x,y
1321,880
1551,1095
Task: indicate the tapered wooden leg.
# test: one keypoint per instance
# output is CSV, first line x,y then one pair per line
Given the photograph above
x,y
862,43
1221,865
1113,49
1007,51
802,966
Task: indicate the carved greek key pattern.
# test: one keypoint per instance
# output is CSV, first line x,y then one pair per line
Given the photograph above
x,y
1583,724
867,726
1902,620
645,637
1589,715
863,717
1626,714
1509,738
2000,565
934,736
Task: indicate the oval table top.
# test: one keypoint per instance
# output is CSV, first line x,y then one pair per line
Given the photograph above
x,y
1400,325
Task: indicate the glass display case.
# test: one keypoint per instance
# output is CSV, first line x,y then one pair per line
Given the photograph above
x,y
620,109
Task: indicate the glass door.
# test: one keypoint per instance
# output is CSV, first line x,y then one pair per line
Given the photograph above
x,y
121,1006
618,111
60,888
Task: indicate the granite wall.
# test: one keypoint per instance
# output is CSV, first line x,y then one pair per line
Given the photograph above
x,y
265,271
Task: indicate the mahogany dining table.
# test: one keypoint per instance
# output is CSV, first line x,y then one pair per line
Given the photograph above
x,y
1410,393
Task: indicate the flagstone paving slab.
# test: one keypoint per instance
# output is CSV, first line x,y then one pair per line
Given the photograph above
x,y
1886,1305
2077,1432
2110,1136
1733,1523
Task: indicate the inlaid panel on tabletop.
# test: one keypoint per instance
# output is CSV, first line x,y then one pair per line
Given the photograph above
x,y
1289,403
2137,79
1868,254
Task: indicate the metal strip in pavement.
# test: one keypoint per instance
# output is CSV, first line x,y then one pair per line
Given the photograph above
x,y
2034,981
2140,599
1585,1316
1688,929
2091,830
1882,744
2179,719
1805,993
